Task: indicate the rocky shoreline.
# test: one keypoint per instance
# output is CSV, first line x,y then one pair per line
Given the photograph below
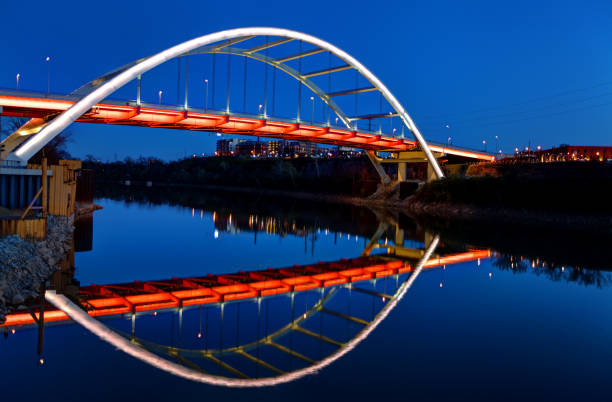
x,y
25,265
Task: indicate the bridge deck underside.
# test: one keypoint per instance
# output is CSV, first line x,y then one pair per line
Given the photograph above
x,y
129,114
109,300
210,121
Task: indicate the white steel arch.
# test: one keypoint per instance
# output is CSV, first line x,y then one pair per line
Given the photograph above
x,y
122,77
125,345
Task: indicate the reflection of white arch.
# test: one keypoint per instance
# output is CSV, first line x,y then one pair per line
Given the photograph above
x,y
122,77
105,333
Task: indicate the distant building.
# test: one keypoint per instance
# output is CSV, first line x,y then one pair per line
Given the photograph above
x,y
223,147
275,148
228,147
565,152
251,148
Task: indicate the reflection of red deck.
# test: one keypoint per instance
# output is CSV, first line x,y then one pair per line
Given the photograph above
x,y
109,300
125,113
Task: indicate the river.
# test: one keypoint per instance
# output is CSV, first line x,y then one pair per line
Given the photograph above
x,y
492,314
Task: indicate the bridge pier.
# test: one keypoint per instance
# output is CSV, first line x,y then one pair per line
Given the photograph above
x,y
389,188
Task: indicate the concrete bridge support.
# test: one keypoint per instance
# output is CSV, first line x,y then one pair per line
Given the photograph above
x,y
390,189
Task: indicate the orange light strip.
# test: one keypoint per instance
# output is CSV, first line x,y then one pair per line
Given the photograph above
x,y
149,296
180,119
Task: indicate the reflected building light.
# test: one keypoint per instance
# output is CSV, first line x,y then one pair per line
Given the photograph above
x,y
479,262
214,216
199,335
41,361
216,234
192,212
13,331
562,269
490,274
155,313
440,284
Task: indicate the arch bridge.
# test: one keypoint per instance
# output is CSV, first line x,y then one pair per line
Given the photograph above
x,y
373,101
351,298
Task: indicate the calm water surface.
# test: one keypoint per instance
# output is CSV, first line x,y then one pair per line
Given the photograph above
x,y
512,326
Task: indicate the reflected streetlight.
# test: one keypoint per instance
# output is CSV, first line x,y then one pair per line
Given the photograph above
x,y
159,95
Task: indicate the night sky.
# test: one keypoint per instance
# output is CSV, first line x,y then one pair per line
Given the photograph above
x,y
530,72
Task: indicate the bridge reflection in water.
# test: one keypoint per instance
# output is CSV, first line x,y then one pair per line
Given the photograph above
x,y
248,329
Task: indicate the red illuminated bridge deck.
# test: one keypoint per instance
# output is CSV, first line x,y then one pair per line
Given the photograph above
x,y
130,114
108,300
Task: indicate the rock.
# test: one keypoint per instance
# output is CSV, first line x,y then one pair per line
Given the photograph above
x,y
25,265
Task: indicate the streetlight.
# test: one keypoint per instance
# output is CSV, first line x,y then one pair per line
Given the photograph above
x,y
259,109
18,75
394,131
206,102
484,144
48,60
159,94
336,121
312,118
497,142
391,121
448,141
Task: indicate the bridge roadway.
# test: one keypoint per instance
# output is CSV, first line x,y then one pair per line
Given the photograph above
x,y
44,108
109,300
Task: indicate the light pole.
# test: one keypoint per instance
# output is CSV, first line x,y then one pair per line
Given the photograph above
x,y
48,60
394,132
259,109
206,101
448,141
312,118
484,144
497,142
159,94
18,75
336,121
391,121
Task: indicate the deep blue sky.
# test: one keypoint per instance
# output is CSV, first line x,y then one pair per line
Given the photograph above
x,y
538,72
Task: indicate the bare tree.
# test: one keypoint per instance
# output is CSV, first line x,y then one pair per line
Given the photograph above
x,y
55,150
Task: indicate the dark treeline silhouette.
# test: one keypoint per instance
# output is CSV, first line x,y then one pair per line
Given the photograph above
x,y
570,187
333,176
582,276
304,213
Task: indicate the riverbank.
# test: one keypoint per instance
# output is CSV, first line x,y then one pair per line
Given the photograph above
x,y
569,194
25,265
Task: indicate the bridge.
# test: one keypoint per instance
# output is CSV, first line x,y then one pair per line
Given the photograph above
x,y
136,297
51,114
247,360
